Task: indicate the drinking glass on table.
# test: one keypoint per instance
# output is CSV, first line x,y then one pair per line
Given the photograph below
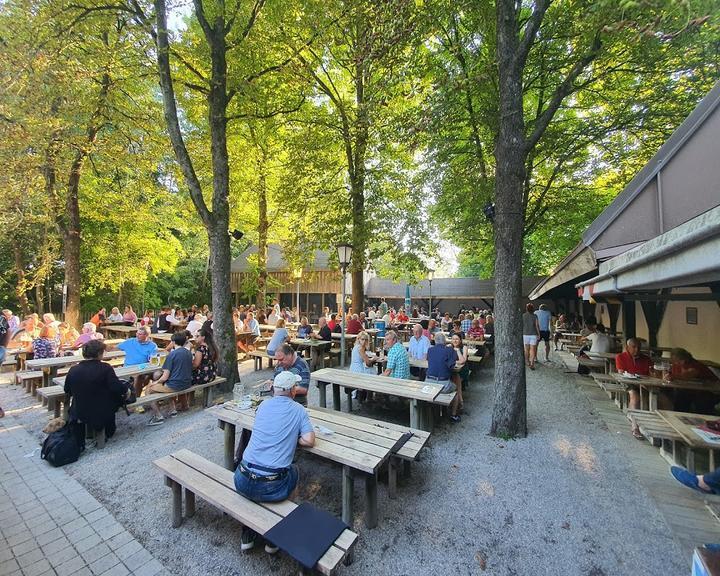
x,y
155,360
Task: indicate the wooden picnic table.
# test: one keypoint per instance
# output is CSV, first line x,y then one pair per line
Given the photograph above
x,y
359,446
316,350
50,366
120,372
120,329
653,385
420,394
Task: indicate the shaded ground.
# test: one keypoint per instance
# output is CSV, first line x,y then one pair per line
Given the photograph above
x,y
562,501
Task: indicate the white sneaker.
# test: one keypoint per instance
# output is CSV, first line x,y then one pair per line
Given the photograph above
x,y
156,421
270,549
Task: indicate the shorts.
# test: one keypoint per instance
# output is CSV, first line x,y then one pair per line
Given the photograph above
x,y
156,388
530,340
447,386
545,335
264,491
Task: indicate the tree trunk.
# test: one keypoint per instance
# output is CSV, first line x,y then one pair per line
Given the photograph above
x,y
71,241
21,282
216,221
509,410
263,225
39,296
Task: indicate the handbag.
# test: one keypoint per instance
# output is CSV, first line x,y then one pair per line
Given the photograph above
x,y
129,396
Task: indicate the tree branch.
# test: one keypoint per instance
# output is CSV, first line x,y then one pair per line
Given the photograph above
x,y
531,30
171,114
565,88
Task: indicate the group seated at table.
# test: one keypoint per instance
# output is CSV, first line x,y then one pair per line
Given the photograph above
x,y
682,367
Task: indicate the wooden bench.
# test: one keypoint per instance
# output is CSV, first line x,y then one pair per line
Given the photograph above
x,y
593,363
258,355
617,391
197,477
655,428
57,401
31,379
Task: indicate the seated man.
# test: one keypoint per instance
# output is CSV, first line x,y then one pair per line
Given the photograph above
x,y
266,472
398,365
96,391
633,362
418,349
289,361
441,361
684,367
354,326
176,375
324,332
599,340
138,350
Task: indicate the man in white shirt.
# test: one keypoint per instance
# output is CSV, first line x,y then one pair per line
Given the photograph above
x,y
196,323
600,342
171,318
418,349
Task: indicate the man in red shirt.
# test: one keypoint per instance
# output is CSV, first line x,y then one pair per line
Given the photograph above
x,y
354,326
633,362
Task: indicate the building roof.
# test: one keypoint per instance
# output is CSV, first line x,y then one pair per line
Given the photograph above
x,y
684,256
457,288
676,185
276,260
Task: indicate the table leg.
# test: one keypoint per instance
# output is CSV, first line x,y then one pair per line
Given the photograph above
x,y
348,489
336,397
392,477
690,459
652,399
229,434
348,393
414,414
371,512
322,391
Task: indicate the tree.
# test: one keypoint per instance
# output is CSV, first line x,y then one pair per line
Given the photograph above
x,y
356,56
520,34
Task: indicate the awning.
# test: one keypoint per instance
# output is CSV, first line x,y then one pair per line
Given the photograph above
x,y
684,256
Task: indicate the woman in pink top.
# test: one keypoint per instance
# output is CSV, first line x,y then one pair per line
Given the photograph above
x,y
89,332
129,315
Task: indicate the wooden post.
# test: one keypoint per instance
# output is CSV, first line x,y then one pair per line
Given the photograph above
x,y
336,397
322,390
414,414
189,503
348,393
348,493
56,407
176,504
229,433
392,477
371,503
100,438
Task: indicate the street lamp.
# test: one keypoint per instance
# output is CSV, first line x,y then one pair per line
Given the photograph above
x,y
344,255
297,274
431,272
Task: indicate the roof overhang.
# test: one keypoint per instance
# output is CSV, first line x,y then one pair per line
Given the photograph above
x,y
581,262
685,256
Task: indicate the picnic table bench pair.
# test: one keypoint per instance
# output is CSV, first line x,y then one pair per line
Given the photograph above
x,y
420,394
361,445
676,429
58,401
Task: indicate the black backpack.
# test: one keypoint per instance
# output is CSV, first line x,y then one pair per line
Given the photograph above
x,y
63,446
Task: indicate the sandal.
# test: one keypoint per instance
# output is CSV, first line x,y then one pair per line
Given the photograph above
x,y
638,434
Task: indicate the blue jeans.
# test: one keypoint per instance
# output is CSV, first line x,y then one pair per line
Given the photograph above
x,y
3,351
712,479
267,491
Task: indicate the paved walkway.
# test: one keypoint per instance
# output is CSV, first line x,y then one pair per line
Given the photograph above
x,y
49,524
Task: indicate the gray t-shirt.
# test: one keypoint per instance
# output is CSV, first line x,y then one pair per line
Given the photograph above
x,y
179,363
529,324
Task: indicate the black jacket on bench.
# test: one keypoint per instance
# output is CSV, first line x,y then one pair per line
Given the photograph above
x,y
96,393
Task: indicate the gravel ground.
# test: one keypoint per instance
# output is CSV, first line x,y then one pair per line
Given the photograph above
x,y
562,501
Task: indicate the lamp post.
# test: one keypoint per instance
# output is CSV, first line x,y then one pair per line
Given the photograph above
x,y
344,255
430,279
297,274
